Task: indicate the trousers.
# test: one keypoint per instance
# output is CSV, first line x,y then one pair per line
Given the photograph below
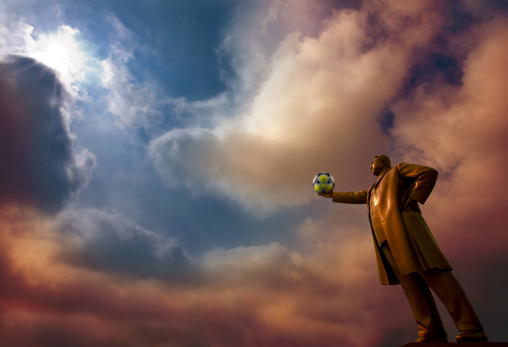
x,y
444,284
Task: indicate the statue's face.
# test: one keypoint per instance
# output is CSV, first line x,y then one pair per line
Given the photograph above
x,y
377,166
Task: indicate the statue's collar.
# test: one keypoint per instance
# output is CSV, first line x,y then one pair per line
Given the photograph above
x,y
381,175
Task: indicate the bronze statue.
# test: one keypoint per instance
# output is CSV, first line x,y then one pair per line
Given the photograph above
x,y
406,251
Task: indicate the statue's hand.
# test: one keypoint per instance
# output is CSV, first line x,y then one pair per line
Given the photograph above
x,y
326,195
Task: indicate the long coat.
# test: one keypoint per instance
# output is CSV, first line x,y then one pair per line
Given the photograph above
x,y
397,220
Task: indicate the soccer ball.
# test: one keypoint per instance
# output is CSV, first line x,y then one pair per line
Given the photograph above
x,y
323,183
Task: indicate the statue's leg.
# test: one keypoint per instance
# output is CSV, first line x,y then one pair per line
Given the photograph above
x,y
451,294
421,301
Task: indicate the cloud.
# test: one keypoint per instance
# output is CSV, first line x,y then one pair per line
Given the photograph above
x,y
133,103
13,32
138,102
466,122
38,163
265,267
255,33
316,110
459,128
253,295
106,242
62,304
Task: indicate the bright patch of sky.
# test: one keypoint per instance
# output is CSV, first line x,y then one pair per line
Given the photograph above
x,y
171,42
61,51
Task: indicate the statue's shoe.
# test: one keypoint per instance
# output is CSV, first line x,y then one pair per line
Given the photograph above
x,y
432,339
472,336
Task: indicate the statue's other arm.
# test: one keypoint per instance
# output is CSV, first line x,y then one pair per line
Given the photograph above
x,y
350,197
425,179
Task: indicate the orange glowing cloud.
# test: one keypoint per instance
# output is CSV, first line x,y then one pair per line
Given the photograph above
x,y
254,295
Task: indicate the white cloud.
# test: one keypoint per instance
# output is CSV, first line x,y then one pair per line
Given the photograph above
x,y
13,33
81,173
316,109
271,262
132,102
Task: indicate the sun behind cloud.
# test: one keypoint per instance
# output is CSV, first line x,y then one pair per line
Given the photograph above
x,y
61,51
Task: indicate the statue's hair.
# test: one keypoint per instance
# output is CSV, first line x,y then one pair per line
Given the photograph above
x,y
385,159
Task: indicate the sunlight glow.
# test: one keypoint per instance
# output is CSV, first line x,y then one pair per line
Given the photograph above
x,y
62,52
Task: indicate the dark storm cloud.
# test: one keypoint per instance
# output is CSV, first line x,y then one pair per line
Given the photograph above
x,y
37,163
106,242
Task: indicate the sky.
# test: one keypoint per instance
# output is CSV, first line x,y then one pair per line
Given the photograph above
x,y
156,160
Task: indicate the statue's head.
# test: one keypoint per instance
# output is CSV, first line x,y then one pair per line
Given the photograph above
x,y
380,164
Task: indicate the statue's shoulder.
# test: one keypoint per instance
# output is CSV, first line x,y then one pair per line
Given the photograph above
x,y
398,167
401,165
405,166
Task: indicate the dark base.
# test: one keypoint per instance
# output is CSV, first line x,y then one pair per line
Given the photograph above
x,y
456,344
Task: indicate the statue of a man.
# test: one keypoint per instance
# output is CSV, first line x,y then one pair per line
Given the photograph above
x,y
406,251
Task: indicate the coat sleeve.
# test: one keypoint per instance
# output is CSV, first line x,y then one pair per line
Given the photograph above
x,y
424,180
350,197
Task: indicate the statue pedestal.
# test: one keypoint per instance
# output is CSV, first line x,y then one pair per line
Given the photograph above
x,y
457,344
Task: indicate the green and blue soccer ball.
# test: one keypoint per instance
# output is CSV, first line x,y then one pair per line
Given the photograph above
x,y
323,183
